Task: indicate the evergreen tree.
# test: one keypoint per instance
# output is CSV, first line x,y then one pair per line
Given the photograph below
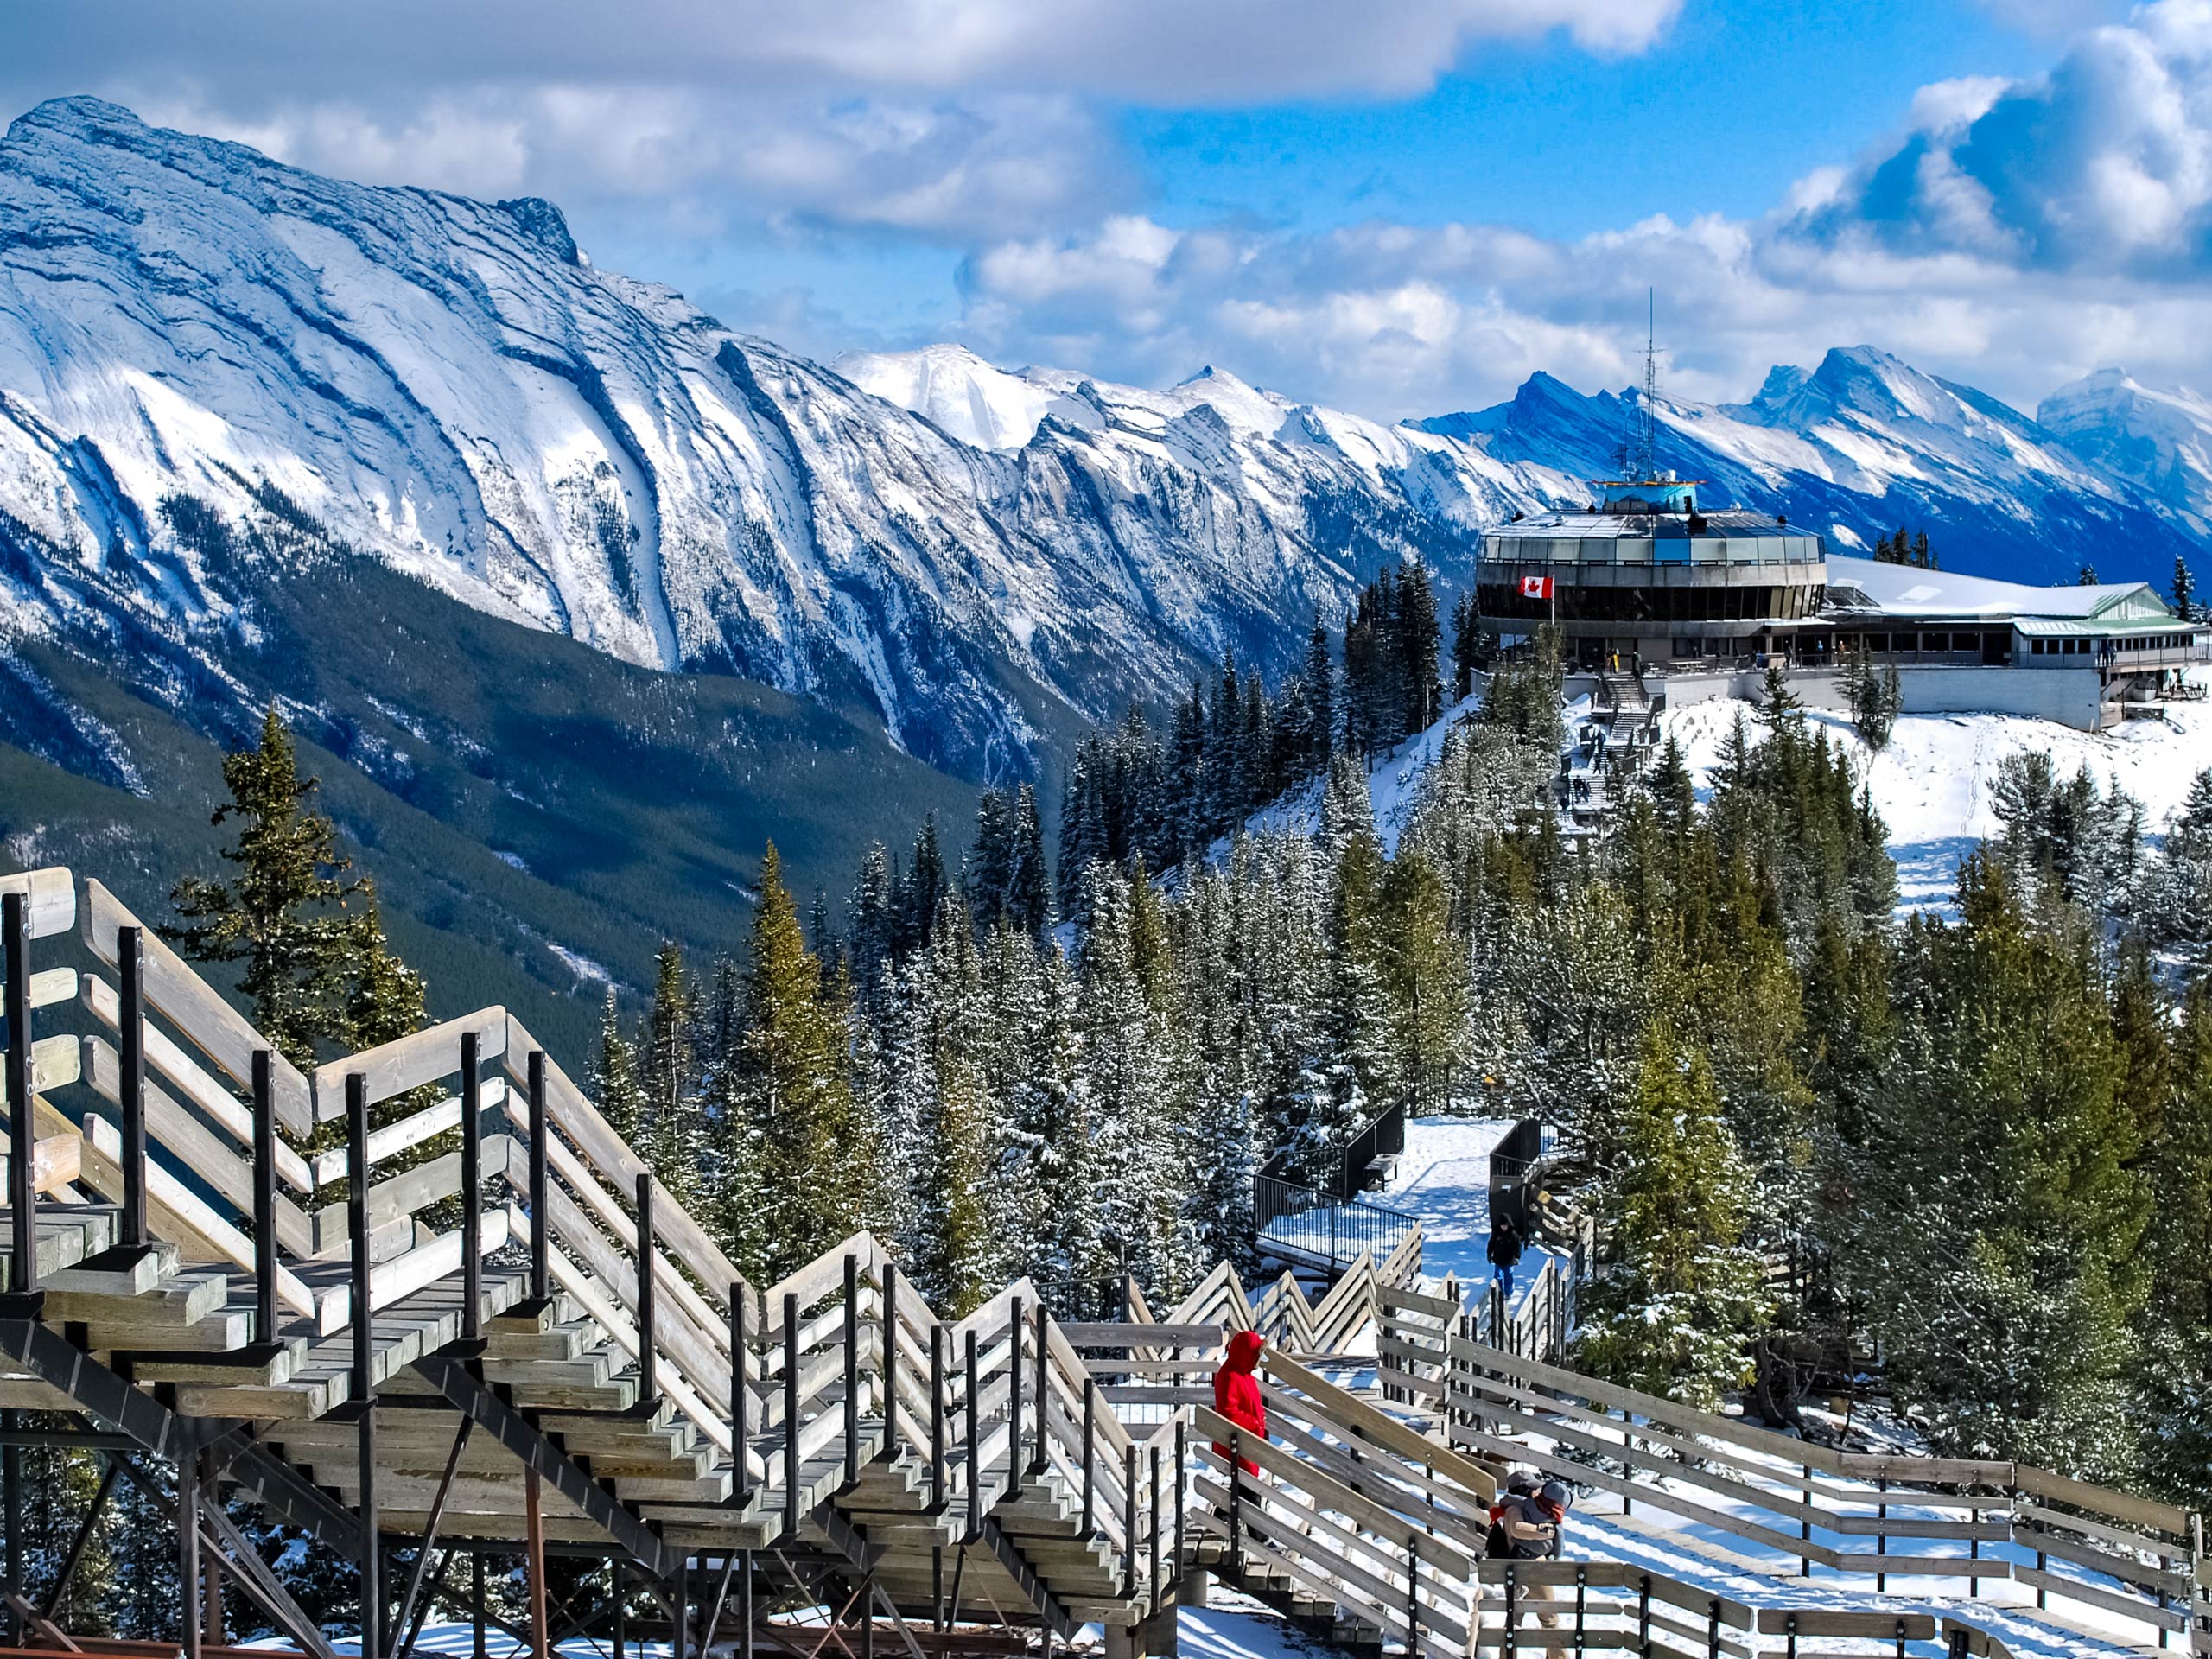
x,y
1318,683
2089,576
1417,648
2177,897
2007,1215
283,914
674,1128
1467,651
614,1077
2183,588
797,1161
2173,1387
1675,1314
1029,887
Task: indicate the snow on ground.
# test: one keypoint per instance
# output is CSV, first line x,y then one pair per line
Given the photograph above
x,y
1443,1177
1932,783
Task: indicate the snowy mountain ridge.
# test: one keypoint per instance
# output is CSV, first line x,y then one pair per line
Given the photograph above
x,y
450,386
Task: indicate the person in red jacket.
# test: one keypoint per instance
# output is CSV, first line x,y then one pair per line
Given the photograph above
x,y
1236,1391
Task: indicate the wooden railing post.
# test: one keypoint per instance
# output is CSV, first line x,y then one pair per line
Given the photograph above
x,y
648,1370
472,1186
130,972
541,1224
264,1196
22,1264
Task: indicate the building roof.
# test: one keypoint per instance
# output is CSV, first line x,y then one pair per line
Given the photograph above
x,y
1905,590
1727,522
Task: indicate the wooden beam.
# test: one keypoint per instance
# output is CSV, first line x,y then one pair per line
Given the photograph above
x,y
53,898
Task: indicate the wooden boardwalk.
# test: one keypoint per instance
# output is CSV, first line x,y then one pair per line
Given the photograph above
x,y
424,1303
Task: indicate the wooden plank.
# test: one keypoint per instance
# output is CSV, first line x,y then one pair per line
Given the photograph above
x,y
176,1130
55,1064
104,1174
1325,1488
1116,1334
218,1030
228,1243
408,1062
165,1059
53,985
1362,1421
52,895
417,1269
2116,1506
573,1115
393,1139
2110,1601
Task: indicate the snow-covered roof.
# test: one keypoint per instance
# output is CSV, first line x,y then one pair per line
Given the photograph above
x,y
1907,590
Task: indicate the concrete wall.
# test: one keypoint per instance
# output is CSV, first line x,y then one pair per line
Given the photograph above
x,y
2070,695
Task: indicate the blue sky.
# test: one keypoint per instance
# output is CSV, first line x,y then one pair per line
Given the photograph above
x,y
1397,210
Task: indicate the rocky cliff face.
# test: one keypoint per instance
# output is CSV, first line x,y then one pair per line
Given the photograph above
x,y
192,336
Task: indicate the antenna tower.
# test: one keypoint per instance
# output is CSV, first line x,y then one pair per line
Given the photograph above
x,y
1644,458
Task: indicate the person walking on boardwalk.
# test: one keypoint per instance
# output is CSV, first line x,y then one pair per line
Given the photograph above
x,y
1533,1524
1504,1254
1236,1391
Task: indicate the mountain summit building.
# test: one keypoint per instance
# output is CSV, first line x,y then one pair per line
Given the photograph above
x,y
1644,576
1643,581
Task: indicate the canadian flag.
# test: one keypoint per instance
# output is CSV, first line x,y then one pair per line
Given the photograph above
x,y
1535,586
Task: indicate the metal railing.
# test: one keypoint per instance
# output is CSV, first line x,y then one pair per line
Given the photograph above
x,y
1305,1223
1382,1136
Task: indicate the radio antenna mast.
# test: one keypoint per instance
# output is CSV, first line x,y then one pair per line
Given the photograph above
x,y
1646,459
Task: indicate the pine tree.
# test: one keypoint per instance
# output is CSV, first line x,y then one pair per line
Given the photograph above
x,y
614,1077
2089,576
1029,886
674,1130
2006,1214
1922,556
797,1161
1320,684
1466,647
2176,906
283,914
1675,1314
2184,589
2173,1387
1417,648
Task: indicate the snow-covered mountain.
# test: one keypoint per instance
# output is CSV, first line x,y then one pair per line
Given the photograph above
x,y
1862,444
451,386
2157,437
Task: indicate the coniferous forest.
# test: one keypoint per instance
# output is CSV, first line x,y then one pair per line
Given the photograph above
x,y
1968,1153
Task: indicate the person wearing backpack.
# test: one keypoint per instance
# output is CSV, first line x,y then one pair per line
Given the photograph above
x,y
1504,1254
1531,1523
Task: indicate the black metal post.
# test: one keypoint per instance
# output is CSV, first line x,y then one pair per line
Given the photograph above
x,y
890,1292
1512,1616
264,1196
1089,1472
614,1608
1038,1458
745,1609
791,1413
975,1439
680,1630
131,970
1182,1473
472,1186
541,1226
937,1416
1413,1601
1129,1521
741,1393
22,1266
648,1376
191,1617
852,1368
1014,1396
1236,1501
357,1220
1643,1615
476,1647
1153,1592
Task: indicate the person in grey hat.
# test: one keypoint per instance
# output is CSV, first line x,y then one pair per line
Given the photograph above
x,y
1532,1522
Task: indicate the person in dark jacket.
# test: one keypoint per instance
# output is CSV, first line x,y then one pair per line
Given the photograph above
x,y
1236,1391
1532,1526
1504,1254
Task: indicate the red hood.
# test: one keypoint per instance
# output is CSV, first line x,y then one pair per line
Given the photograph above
x,y
1245,1353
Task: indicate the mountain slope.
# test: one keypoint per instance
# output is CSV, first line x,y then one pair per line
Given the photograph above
x,y
1858,446
450,386
2158,438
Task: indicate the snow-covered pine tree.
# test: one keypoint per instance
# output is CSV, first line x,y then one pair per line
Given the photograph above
x,y
675,1141
283,913
612,1077
1029,884
873,927
2175,904
1676,1312
795,1153
1418,644
2173,1385
954,1193
1467,652
2005,1277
